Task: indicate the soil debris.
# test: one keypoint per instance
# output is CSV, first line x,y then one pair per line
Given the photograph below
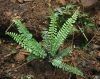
x,y
20,1
88,3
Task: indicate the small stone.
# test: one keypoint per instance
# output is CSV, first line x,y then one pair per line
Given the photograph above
x,y
13,65
8,13
13,1
21,1
28,0
20,57
95,46
97,77
18,47
63,2
88,3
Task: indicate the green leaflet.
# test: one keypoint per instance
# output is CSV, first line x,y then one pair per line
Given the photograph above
x,y
32,57
22,29
57,62
64,52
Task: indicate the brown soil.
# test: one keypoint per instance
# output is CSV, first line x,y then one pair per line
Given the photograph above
x,y
35,14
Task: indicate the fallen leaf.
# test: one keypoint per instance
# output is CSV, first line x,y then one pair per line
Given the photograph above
x,y
63,2
20,57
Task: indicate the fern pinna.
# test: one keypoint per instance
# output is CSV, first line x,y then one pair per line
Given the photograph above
x,y
54,38
26,41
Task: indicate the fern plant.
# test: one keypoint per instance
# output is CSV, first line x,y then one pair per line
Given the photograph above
x,y
52,39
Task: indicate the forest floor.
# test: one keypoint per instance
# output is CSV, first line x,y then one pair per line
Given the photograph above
x,y
35,14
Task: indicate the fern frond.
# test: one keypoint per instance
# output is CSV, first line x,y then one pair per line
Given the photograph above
x,y
64,52
45,41
66,30
65,67
31,45
31,57
53,26
52,32
22,28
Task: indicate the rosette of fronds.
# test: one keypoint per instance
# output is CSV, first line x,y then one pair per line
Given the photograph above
x,y
52,38
56,37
